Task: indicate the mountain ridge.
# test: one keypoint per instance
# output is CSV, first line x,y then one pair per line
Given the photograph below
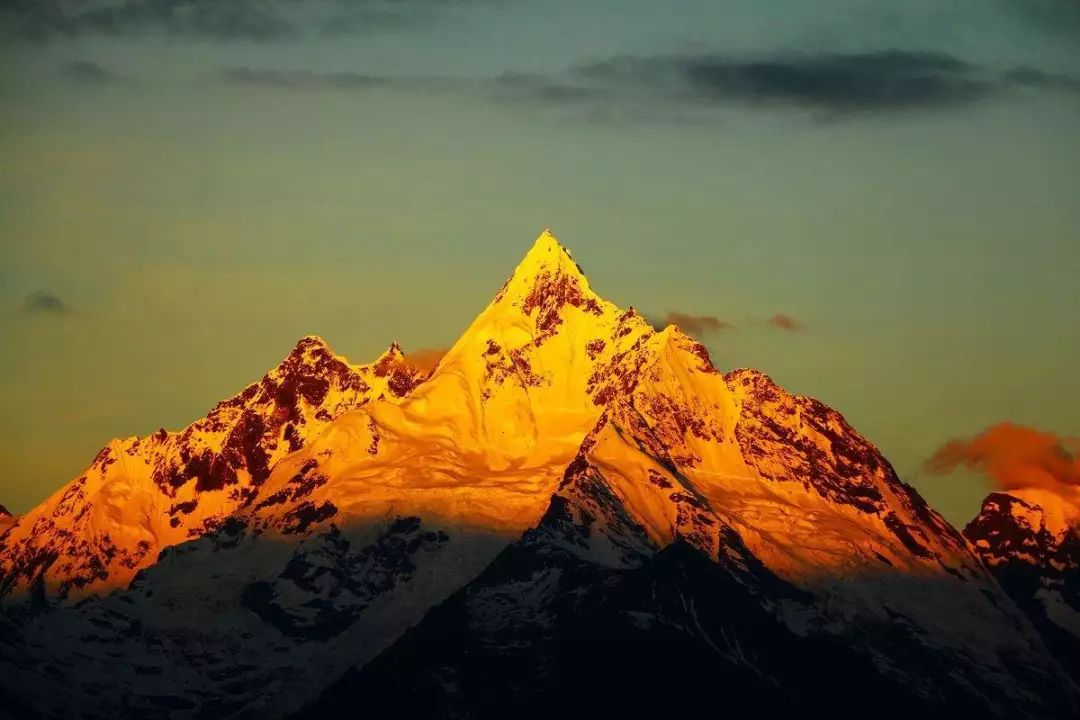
x,y
563,460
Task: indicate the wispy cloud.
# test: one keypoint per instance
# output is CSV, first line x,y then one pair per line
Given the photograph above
x,y
843,83
1033,78
248,20
827,85
88,73
44,302
696,325
344,80
301,78
783,321
696,89
1014,457
1055,16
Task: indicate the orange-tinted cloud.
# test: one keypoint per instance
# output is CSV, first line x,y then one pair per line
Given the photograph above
x,y
425,359
785,322
1014,457
696,325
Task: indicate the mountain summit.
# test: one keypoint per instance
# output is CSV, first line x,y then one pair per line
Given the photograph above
x,y
569,502
1030,540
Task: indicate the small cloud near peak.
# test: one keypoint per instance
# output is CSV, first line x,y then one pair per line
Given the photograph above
x,y
696,325
783,321
1015,457
44,302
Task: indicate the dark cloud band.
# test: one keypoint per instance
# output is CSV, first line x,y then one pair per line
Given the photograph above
x,y
835,83
251,20
301,78
825,84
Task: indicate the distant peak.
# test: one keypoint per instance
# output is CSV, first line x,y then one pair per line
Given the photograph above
x,y
310,351
394,351
4,512
1058,512
391,360
310,342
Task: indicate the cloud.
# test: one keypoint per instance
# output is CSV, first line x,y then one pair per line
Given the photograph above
x,y
878,81
1056,16
302,78
1039,79
1014,457
425,359
88,73
694,89
696,325
786,322
828,85
294,79
251,20
529,87
43,302
220,19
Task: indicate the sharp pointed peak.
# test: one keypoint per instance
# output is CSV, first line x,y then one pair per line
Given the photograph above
x,y
546,250
391,357
546,259
547,239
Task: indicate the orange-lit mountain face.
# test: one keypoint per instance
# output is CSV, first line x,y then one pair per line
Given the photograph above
x,y
6,519
140,495
1030,540
562,461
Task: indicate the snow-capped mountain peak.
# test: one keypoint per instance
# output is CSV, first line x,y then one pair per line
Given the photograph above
x,y
1030,540
142,494
563,462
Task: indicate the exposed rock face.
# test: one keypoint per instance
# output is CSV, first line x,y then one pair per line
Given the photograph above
x,y
570,499
715,528
1030,541
140,495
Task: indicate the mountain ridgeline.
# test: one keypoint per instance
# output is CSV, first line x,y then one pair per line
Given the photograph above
x,y
571,514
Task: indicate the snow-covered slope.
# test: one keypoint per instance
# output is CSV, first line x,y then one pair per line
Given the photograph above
x,y
563,463
468,459
765,505
1030,540
143,494
485,439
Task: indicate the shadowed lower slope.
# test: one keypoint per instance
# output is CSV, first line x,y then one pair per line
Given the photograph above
x,y
584,502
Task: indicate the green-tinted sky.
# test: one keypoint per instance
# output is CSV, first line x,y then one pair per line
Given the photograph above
x,y
188,187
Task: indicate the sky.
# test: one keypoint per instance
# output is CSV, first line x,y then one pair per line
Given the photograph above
x,y
874,202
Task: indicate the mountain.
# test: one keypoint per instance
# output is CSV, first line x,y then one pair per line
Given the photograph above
x,y
571,513
6,519
141,495
715,529
1030,540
